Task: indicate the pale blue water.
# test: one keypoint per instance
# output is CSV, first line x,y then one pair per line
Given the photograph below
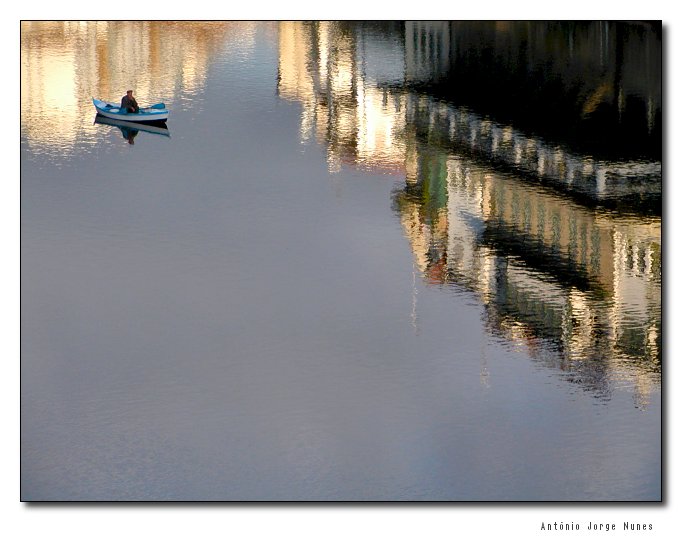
x,y
328,283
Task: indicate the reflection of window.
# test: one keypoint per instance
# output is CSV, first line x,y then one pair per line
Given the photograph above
x,y
656,261
556,231
583,244
499,198
527,213
629,260
595,258
641,259
541,220
515,209
572,237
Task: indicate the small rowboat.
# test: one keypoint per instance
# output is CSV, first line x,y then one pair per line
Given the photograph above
x,y
153,113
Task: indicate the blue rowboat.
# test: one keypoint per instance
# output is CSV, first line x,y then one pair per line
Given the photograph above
x,y
153,113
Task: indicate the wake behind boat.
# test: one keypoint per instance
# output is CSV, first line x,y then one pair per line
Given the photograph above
x,y
154,113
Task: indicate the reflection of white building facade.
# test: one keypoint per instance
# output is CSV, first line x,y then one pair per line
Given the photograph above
x,y
459,127
335,76
607,304
588,281
547,269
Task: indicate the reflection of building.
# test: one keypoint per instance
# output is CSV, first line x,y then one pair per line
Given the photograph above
x,y
635,183
324,67
64,64
549,270
487,207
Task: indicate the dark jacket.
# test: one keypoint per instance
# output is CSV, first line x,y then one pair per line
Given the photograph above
x,y
130,104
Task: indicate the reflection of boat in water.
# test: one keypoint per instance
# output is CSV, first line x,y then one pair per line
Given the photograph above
x,y
156,128
129,130
153,113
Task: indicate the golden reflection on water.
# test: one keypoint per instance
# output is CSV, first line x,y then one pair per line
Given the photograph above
x,y
65,64
320,66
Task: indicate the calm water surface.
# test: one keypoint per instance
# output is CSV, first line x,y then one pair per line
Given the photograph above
x,y
353,266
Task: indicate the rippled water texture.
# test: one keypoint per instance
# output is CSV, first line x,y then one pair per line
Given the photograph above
x,y
395,261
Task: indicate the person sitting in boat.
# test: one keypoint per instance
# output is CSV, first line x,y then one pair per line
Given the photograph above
x,y
129,103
